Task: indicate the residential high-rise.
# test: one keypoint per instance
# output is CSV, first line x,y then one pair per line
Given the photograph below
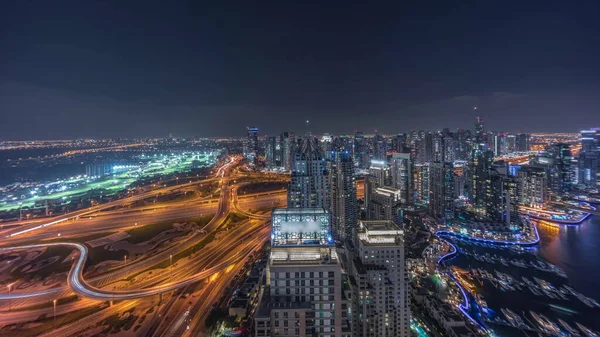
x,y
463,145
559,169
533,186
271,152
441,195
480,139
500,144
326,145
288,142
589,158
361,151
421,184
343,195
450,144
401,172
303,294
384,204
380,297
479,178
523,142
309,182
502,199
511,143
438,148
251,144
381,171
379,147
399,143
424,146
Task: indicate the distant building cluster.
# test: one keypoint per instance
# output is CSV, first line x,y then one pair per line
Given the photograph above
x,y
337,265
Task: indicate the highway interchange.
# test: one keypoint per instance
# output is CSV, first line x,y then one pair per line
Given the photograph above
x,y
208,271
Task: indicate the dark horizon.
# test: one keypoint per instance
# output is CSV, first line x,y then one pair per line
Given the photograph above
x,y
146,69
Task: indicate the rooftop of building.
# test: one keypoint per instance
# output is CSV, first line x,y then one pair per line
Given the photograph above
x,y
387,191
303,255
291,211
379,232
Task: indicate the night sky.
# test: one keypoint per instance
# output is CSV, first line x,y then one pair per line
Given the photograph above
x,y
145,68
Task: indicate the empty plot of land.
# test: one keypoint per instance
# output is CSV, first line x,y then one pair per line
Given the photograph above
x,y
108,239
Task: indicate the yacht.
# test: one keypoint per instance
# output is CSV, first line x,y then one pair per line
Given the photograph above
x,y
514,319
534,291
572,331
545,324
586,331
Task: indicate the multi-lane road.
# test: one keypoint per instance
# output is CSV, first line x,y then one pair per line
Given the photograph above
x,y
225,257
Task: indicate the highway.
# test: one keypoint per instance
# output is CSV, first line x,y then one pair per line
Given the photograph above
x,y
225,257
29,227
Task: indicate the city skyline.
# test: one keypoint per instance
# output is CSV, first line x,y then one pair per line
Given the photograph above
x,y
94,70
299,169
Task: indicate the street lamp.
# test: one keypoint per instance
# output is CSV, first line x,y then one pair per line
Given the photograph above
x,y
9,301
54,303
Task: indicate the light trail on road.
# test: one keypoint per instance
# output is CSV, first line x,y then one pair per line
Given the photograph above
x,y
80,286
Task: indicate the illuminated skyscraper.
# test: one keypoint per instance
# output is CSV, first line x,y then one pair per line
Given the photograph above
x,y
381,171
384,203
380,297
272,152
533,186
309,182
589,158
303,295
401,170
523,142
251,144
288,147
479,178
379,147
361,151
441,195
343,195
480,136
421,184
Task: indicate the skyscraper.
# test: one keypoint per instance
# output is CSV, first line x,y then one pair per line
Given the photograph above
x,y
380,296
399,143
288,142
421,184
251,144
309,182
379,147
533,186
479,178
500,144
479,143
381,171
589,158
522,142
441,200
384,204
559,170
361,152
303,294
271,152
343,195
502,199
401,170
